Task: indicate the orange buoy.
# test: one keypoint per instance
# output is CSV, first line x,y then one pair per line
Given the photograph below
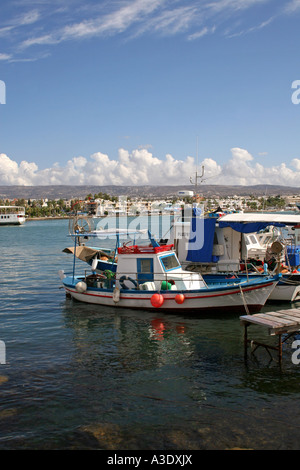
x,y
179,298
157,300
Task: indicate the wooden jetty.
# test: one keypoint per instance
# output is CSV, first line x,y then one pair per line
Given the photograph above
x,y
281,323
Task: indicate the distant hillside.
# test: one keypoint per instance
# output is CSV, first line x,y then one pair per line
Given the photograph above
x,y
71,192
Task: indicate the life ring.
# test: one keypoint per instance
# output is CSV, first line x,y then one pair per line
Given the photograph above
x,y
127,278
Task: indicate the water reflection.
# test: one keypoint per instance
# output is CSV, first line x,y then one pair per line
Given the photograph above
x,y
122,339
84,376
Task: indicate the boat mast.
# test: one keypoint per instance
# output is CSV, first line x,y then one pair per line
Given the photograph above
x,y
195,183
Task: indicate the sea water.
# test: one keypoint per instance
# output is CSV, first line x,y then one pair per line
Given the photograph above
x,y
79,376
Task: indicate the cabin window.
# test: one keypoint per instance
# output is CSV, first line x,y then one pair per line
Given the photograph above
x,y
146,266
169,262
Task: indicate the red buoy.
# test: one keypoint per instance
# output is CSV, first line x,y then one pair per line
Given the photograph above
x,y
157,300
179,298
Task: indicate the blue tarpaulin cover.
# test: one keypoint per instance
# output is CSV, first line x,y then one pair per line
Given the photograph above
x,y
248,227
201,239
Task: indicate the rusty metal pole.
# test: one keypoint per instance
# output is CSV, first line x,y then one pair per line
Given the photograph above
x,y
279,348
245,340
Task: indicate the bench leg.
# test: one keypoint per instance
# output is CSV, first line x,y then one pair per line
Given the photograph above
x,y
245,340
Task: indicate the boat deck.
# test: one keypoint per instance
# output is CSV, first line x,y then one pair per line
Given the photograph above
x,y
282,322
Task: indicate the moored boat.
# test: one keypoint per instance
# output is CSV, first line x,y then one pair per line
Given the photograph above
x,y
12,215
230,243
151,276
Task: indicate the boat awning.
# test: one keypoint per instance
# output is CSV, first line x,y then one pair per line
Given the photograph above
x,y
113,232
254,222
84,253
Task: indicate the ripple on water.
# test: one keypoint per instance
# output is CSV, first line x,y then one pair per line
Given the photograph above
x,y
84,376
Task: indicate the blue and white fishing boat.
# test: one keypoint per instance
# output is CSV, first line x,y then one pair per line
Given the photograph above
x,y
224,244
151,277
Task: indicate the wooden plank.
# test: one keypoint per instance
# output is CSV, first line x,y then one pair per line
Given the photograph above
x,y
295,310
274,320
292,314
284,316
258,321
287,318
284,330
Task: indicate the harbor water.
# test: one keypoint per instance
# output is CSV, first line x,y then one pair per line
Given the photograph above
x,y
79,376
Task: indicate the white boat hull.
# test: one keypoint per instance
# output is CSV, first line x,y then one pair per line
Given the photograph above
x,y
13,221
212,300
286,290
287,293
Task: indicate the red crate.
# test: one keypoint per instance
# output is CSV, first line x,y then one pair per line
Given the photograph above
x,y
136,249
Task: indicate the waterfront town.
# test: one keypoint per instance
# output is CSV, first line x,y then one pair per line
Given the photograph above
x,y
103,204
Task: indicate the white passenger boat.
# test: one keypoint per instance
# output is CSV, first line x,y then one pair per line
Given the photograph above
x,y
12,215
151,277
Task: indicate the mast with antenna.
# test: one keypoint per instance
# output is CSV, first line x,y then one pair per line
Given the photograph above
x,y
196,175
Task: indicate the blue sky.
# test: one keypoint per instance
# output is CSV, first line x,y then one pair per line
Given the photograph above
x,y
139,91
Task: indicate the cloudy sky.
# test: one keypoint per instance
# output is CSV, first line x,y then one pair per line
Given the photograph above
x,y
143,91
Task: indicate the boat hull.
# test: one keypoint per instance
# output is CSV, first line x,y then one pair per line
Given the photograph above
x,y
19,221
286,290
212,299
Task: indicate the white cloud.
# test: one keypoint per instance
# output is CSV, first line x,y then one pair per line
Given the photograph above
x,y
292,6
114,22
4,56
29,17
234,4
296,163
195,18
40,40
203,32
141,167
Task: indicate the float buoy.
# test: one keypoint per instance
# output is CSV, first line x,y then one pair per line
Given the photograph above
x,y
116,295
157,300
179,298
81,287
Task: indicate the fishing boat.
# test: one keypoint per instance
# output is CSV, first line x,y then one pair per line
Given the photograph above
x,y
12,215
238,243
150,276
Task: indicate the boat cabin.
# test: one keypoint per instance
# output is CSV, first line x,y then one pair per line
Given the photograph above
x,y
153,268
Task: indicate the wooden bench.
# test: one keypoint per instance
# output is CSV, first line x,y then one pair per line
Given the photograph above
x,y
282,322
